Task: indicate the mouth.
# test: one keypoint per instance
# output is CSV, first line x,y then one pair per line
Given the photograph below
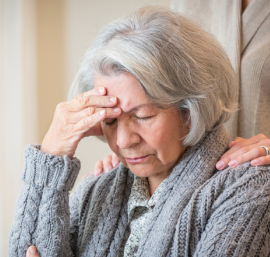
x,y
136,160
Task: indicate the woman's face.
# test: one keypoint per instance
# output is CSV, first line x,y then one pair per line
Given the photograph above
x,y
146,139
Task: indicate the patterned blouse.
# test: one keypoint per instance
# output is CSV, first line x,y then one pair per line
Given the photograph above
x,y
140,207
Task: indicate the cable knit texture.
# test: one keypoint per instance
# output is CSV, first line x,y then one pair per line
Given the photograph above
x,y
201,212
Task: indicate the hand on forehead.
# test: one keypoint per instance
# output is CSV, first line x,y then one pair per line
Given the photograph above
x,y
126,88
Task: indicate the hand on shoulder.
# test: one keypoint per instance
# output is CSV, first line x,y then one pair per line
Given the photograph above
x,y
244,150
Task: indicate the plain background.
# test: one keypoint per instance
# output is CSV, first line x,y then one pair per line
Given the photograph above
x,y
41,45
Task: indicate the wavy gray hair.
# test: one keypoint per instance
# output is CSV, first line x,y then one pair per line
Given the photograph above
x,y
176,62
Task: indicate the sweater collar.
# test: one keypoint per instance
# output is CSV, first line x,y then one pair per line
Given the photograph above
x,y
140,197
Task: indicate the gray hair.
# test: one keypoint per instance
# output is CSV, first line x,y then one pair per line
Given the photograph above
x,y
176,62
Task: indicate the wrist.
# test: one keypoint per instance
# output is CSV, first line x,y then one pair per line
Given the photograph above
x,y
54,152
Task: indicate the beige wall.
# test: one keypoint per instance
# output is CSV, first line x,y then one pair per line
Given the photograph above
x,y
18,98
50,29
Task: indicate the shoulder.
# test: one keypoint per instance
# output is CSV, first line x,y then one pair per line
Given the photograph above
x,y
237,186
243,175
234,212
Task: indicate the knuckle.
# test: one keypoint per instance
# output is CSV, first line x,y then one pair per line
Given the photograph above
x,y
243,150
262,137
237,146
60,105
238,139
240,159
82,98
90,111
265,142
256,151
60,109
86,122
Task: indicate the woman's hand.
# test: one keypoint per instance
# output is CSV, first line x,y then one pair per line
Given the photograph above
x,y
32,252
243,150
78,118
107,164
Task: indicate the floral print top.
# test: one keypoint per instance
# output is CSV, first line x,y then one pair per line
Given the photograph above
x,y
140,207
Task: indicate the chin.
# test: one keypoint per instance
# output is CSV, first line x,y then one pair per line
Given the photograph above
x,y
141,170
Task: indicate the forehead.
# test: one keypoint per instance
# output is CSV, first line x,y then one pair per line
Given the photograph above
x,y
125,87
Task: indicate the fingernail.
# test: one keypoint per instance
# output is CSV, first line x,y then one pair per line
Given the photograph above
x,y
101,90
102,112
115,163
254,162
108,168
116,109
112,99
232,163
33,250
220,165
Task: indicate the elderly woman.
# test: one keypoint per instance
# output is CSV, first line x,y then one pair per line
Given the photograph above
x,y
158,88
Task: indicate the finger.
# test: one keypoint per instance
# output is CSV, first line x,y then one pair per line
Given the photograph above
x,y
248,156
107,163
245,149
237,139
234,147
32,252
81,102
265,160
75,117
227,161
115,160
240,147
88,122
85,176
241,142
95,91
98,168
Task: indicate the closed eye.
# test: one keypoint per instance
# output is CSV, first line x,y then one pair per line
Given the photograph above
x,y
141,119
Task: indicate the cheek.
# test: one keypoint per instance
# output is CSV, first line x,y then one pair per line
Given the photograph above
x,y
166,141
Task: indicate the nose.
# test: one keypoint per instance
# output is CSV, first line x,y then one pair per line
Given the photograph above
x,y
127,137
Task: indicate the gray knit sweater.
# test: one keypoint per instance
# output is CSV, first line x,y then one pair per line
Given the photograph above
x,y
201,212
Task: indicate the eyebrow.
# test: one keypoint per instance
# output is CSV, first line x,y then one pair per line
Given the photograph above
x,y
137,108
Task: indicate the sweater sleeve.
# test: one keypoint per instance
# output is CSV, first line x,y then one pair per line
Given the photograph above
x,y
42,215
240,219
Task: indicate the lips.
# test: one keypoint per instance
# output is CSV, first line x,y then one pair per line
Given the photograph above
x,y
136,160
